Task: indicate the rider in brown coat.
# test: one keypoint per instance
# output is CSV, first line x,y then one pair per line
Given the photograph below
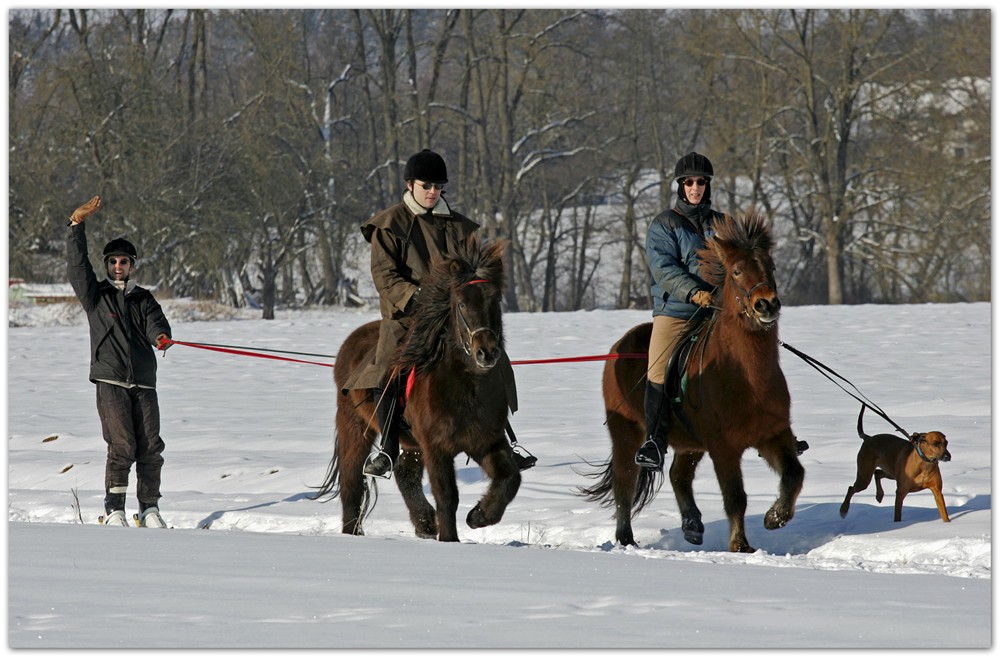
x,y
405,239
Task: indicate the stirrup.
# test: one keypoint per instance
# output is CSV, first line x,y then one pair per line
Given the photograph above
x,y
525,460
651,459
374,467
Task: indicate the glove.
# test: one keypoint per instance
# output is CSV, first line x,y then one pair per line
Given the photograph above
x,y
85,210
412,303
163,342
703,298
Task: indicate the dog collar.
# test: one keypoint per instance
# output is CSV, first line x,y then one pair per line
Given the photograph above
x,y
916,445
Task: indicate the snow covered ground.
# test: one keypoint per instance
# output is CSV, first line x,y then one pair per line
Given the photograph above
x,y
252,562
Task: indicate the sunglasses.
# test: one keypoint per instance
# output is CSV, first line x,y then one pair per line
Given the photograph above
x,y
429,186
690,182
120,261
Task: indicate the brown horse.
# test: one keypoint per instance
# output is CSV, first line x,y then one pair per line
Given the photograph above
x,y
736,396
456,401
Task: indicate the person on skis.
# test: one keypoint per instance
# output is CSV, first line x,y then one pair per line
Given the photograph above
x,y
405,239
672,243
125,322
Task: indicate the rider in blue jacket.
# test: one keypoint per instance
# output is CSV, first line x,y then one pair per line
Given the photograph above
x,y
672,243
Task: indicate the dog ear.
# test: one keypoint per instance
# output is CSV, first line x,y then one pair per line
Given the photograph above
x,y
917,437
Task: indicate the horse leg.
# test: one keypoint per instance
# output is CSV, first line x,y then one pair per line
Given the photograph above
x,y
409,479
626,437
783,458
444,487
505,479
352,448
682,471
734,499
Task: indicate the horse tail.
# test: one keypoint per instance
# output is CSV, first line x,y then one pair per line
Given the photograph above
x,y
601,491
330,485
646,487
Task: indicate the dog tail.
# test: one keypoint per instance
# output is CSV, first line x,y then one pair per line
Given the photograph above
x,y
861,432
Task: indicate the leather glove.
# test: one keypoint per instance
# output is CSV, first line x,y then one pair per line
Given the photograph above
x,y
412,303
703,298
163,342
85,210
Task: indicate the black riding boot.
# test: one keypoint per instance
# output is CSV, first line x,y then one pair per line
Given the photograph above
x,y
650,454
387,411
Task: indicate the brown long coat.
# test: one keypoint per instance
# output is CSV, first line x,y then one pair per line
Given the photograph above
x,y
405,240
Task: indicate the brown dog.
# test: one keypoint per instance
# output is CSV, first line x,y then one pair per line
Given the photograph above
x,y
912,463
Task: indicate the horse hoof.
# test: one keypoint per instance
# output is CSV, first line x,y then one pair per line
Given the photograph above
x,y
775,519
694,530
744,548
425,527
477,518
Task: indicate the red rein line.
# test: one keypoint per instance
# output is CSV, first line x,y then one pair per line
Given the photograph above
x,y
541,361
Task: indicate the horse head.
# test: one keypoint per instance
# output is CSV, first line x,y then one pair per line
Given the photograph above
x,y
737,260
460,307
477,284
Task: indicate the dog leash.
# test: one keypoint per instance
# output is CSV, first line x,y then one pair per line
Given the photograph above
x,y
860,396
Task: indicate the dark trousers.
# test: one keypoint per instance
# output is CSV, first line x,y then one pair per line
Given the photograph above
x,y
130,421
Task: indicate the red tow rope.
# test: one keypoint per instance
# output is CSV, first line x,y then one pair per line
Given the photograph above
x,y
576,359
241,352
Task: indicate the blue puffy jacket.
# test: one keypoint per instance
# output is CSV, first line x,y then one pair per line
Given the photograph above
x,y
672,244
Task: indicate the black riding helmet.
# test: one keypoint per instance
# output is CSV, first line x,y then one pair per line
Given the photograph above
x,y
120,247
427,166
693,164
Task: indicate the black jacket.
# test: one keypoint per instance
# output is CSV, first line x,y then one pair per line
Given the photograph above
x,y
123,325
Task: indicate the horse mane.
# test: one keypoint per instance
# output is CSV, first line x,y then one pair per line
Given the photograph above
x,y
427,340
748,231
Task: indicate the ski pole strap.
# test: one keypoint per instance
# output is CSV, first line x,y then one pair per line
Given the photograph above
x,y
827,371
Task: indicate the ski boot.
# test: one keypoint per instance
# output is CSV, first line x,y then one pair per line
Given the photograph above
x,y
150,518
115,519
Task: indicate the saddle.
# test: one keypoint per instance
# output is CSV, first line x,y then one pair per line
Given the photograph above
x,y
675,387
675,383
676,380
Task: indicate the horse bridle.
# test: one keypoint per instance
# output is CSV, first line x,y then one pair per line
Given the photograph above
x,y
469,331
746,294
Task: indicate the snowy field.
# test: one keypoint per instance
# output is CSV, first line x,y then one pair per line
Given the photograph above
x,y
252,562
